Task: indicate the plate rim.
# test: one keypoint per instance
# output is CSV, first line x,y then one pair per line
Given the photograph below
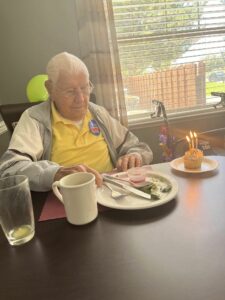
x,y
195,171
149,204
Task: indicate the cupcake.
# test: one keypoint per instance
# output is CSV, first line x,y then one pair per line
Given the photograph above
x,y
193,158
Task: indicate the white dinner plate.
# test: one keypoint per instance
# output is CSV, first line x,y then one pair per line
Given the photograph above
x,y
208,165
131,201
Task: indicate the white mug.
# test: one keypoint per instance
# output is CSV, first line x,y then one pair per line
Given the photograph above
x,y
78,194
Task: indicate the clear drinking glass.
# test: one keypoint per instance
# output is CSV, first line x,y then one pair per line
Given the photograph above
x,y
16,210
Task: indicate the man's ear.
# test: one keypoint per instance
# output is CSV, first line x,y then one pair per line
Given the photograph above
x,y
48,85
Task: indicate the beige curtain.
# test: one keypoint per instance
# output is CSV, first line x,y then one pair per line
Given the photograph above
x,y
99,51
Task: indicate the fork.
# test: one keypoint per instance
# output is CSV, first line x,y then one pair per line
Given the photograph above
x,y
115,194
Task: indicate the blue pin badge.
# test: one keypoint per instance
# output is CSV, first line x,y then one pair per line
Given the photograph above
x,y
93,127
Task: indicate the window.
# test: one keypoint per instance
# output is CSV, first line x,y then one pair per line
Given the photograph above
x,y
172,51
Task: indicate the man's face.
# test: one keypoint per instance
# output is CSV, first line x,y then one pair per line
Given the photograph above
x,y
70,95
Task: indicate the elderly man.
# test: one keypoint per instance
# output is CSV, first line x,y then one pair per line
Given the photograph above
x,y
67,134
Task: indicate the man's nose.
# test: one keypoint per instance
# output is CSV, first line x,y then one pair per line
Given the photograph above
x,y
78,95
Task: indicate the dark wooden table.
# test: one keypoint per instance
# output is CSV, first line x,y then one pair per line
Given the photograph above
x,y
172,252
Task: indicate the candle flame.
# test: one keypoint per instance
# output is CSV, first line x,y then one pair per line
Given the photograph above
x,y
196,139
192,139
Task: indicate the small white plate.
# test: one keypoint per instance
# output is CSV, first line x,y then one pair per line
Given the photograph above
x,y
207,165
131,201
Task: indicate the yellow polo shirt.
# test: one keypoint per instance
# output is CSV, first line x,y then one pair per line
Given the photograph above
x,y
73,145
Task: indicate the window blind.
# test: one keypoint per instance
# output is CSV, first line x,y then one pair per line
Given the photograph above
x,y
172,51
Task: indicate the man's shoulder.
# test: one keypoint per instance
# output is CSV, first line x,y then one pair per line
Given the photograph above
x,y
40,106
95,108
39,111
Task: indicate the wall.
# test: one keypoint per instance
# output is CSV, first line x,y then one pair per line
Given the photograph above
x,y
178,87
31,33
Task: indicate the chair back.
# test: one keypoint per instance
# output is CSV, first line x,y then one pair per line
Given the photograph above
x,y
11,113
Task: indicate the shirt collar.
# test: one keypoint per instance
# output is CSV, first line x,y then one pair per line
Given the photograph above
x,y
57,118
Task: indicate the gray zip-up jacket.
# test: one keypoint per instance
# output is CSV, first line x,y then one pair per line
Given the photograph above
x,y
30,147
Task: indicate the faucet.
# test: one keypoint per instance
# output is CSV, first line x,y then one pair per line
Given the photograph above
x,y
159,110
166,139
222,96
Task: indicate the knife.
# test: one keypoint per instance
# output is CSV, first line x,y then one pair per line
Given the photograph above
x,y
126,187
135,185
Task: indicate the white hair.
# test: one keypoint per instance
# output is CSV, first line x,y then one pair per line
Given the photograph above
x,y
65,62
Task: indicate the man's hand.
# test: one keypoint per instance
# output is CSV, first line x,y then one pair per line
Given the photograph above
x,y
63,171
129,161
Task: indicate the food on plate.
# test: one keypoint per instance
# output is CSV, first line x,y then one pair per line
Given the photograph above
x,y
137,174
156,188
193,158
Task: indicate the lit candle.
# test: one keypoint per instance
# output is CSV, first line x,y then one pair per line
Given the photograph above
x,y
188,140
196,139
192,140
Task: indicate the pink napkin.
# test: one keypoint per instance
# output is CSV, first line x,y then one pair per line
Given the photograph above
x,y
54,209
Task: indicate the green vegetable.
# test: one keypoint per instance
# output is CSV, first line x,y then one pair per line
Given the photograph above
x,y
155,196
156,189
147,189
166,189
